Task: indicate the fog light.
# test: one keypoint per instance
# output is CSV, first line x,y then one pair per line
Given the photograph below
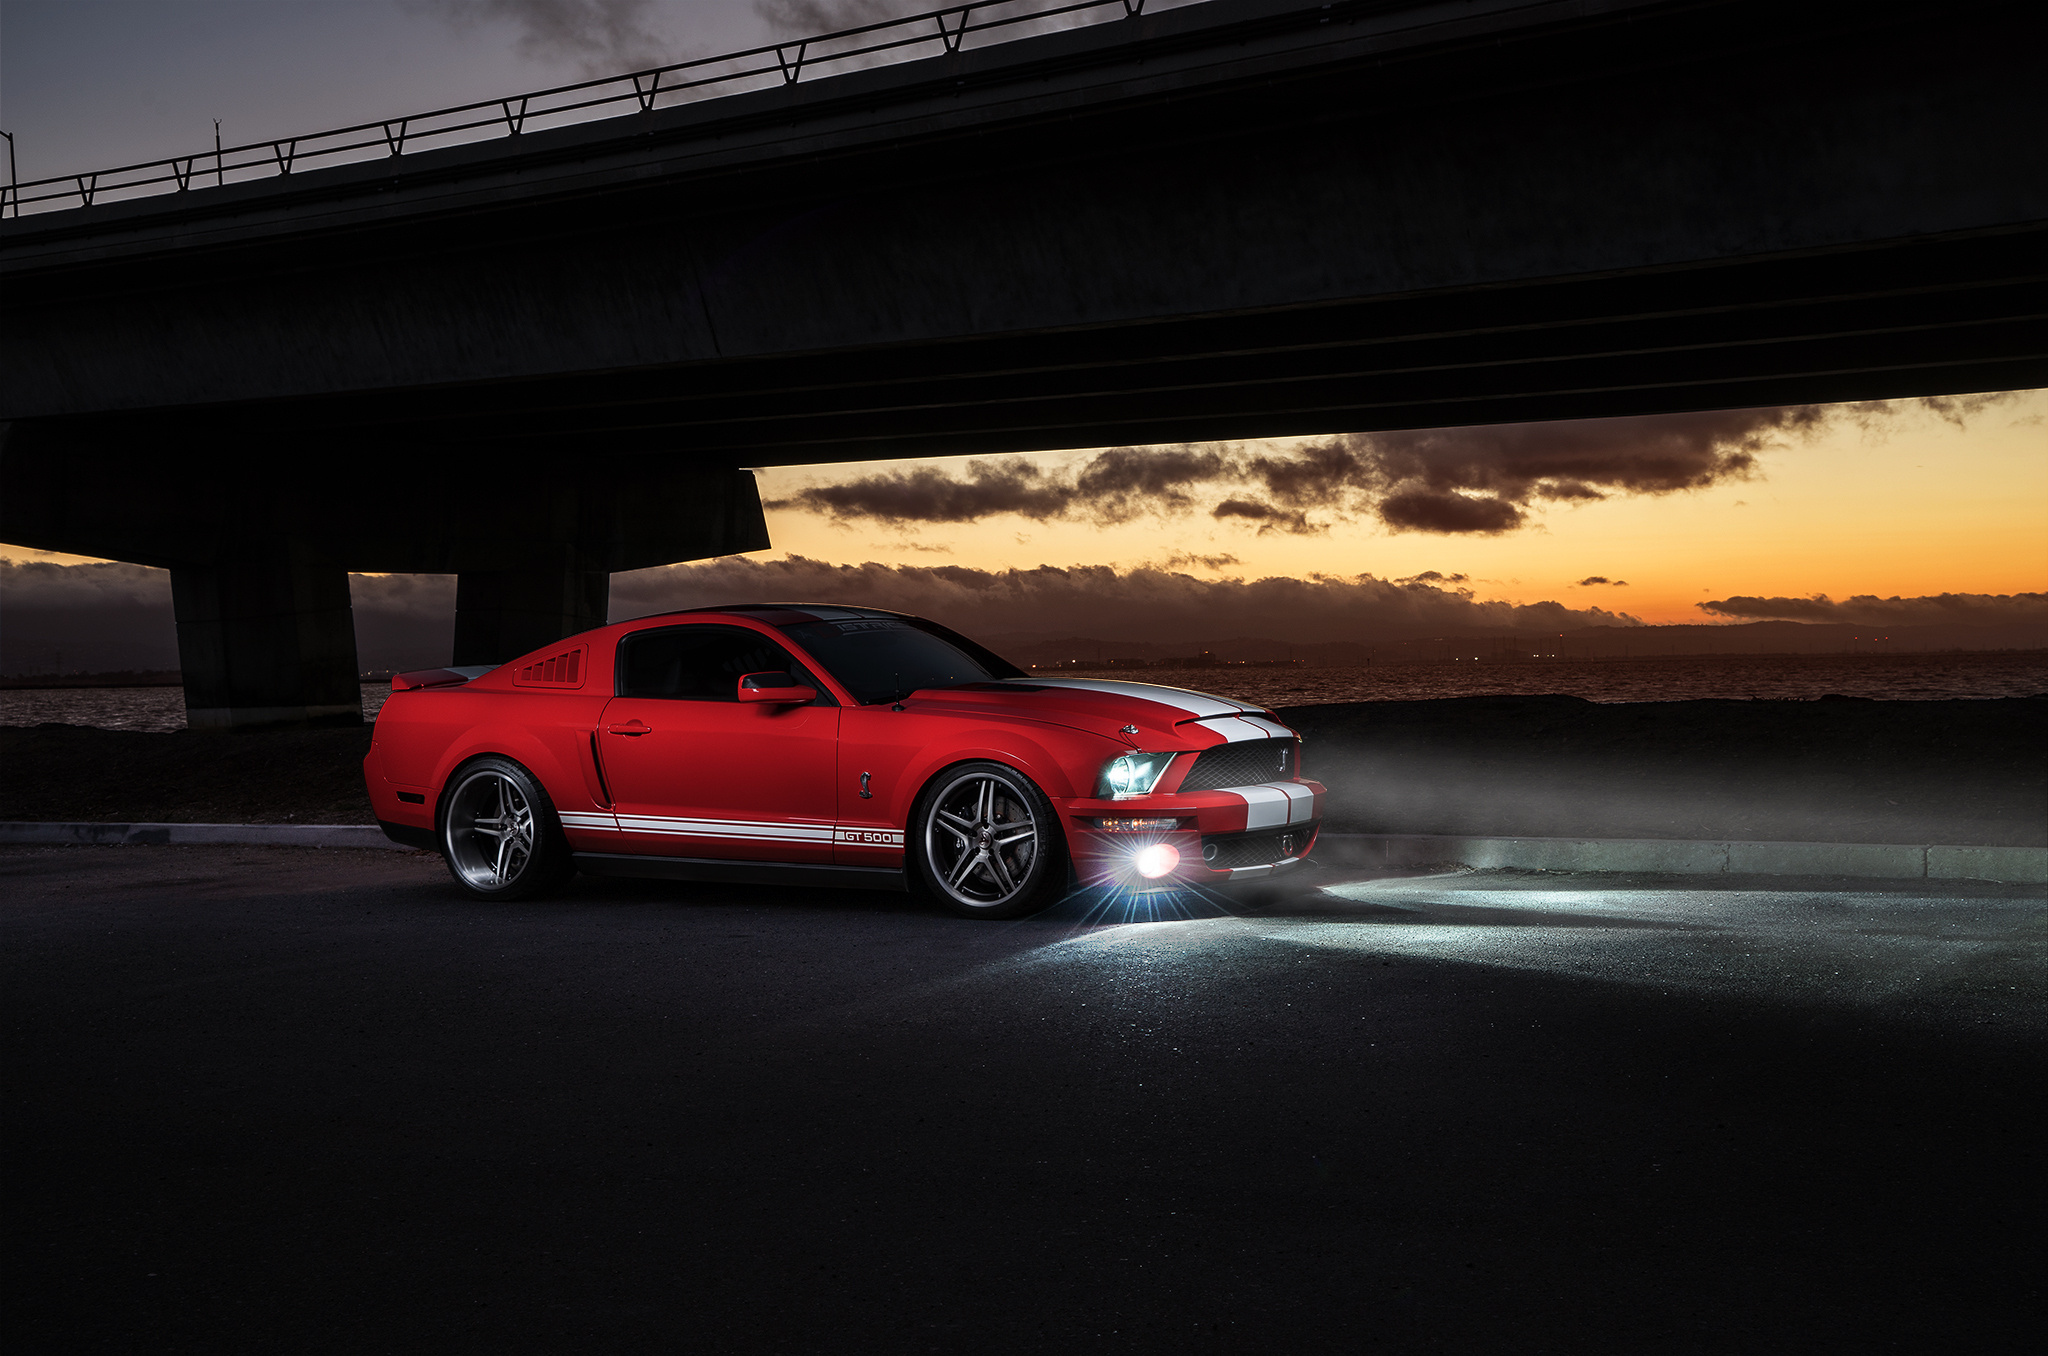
x,y
1155,861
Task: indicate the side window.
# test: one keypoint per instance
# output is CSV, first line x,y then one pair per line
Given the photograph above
x,y
702,663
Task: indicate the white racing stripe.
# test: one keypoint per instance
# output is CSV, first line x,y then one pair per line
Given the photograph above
x,y
1197,704
1275,804
1241,729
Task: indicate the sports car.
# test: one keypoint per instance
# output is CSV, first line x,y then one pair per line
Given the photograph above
x,y
831,745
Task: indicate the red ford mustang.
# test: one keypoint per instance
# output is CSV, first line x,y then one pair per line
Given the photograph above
x,y
830,746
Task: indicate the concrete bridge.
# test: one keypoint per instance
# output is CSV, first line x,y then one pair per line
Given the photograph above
x,y
536,360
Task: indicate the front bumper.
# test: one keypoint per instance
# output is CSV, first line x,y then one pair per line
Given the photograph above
x,y
1220,837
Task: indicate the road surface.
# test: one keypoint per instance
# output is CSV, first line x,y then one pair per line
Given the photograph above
x,y
265,1099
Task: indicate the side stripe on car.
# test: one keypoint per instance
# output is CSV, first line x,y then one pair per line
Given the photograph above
x,y
752,830
574,820
734,828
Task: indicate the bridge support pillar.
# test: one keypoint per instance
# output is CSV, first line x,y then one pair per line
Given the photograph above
x,y
266,636
501,614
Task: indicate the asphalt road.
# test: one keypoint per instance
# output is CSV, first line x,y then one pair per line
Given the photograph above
x,y
285,1100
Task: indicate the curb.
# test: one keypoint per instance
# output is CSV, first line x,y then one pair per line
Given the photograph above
x,y
1873,861
1679,856
193,835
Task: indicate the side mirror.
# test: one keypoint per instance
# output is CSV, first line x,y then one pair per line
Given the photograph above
x,y
777,688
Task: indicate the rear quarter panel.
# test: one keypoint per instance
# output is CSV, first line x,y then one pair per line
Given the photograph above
x,y
422,736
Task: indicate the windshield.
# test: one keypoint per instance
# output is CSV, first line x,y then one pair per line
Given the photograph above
x,y
881,659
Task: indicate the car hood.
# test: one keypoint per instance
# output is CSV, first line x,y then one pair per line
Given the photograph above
x,y
1165,717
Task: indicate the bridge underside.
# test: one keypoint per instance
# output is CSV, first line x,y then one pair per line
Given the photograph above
x,y
260,547
1250,218
1875,320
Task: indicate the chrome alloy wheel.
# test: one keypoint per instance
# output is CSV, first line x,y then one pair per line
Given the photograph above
x,y
489,835
985,841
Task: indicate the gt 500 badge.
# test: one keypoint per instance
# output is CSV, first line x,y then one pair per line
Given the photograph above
x,y
885,837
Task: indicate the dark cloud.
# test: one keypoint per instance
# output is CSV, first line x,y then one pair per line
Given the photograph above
x,y
1146,604
1593,579
1184,558
1128,482
1318,475
926,494
1439,511
1111,487
1974,609
1433,577
599,37
1483,481
1954,409
1268,517
808,18
812,18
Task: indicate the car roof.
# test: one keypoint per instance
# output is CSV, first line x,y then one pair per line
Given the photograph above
x,y
793,614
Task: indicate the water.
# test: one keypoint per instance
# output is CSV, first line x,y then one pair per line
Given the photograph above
x,y
122,708
1900,677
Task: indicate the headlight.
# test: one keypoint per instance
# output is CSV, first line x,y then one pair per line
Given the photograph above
x,y
1134,774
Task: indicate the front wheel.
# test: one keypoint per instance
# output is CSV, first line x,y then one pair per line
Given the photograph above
x,y
498,832
987,842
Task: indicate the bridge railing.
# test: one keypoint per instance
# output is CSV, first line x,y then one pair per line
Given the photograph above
x,y
931,33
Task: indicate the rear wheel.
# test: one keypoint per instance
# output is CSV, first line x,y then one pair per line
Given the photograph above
x,y
499,834
987,842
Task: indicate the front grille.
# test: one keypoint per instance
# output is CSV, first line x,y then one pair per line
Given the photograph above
x,y
1228,852
1245,764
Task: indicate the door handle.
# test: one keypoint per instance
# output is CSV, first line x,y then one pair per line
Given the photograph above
x,y
633,727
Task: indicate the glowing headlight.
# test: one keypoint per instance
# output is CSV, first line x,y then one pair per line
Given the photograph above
x,y
1134,774
1156,860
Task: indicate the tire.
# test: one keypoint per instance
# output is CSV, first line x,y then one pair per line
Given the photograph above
x,y
498,832
987,843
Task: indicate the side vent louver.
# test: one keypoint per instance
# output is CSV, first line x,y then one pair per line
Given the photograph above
x,y
557,670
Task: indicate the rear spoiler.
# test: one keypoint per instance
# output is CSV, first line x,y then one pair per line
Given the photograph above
x,y
449,677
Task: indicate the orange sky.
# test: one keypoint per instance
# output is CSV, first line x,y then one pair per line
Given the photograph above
x,y
1911,506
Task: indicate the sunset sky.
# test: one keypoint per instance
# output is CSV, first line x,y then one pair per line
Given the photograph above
x,y
1892,502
